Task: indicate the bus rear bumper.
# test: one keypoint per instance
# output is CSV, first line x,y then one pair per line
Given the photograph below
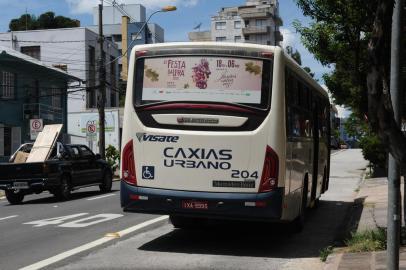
x,y
240,206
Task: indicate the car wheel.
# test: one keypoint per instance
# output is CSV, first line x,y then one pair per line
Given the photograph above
x,y
63,192
14,196
107,182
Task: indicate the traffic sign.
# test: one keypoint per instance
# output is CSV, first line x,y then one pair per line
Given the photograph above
x,y
36,126
91,131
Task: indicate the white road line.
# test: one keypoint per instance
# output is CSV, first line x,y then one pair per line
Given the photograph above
x,y
101,197
8,217
98,242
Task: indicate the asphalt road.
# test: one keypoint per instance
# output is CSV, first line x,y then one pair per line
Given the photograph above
x,y
228,245
23,244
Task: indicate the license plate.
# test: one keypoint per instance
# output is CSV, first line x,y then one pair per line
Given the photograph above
x,y
20,185
200,205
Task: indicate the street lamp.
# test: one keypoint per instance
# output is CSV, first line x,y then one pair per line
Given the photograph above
x,y
164,9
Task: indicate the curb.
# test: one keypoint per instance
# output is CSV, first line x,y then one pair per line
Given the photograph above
x,y
333,261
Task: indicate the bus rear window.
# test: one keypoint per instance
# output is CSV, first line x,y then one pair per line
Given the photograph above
x,y
203,79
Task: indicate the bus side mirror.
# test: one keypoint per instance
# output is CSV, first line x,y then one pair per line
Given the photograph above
x,y
98,156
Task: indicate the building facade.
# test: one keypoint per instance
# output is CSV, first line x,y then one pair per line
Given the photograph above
x,y
113,27
29,89
255,22
75,50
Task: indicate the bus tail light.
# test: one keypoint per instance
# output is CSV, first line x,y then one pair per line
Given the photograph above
x,y
269,179
128,164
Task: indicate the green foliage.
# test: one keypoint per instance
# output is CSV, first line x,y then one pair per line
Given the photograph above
x,y
46,20
112,157
366,241
325,252
339,34
294,54
372,148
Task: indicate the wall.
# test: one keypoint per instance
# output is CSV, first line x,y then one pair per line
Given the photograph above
x,y
12,114
77,128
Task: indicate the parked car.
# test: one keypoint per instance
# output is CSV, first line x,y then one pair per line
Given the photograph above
x,y
69,167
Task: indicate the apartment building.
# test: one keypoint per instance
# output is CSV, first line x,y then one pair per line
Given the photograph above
x,y
255,22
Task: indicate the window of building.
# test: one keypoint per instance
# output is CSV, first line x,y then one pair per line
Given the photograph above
x,y
237,24
221,39
91,81
117,38
261,22
33,51
237,39
134,36
220,25
7,85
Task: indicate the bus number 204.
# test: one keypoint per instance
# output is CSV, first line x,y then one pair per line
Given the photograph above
x,y
244,174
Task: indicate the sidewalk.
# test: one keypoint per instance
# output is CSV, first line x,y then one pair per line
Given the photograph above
x,y
374,195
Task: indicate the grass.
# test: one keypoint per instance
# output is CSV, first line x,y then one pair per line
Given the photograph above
x,y
369,240
325,252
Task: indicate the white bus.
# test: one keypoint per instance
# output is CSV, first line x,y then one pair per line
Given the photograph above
x,y
222,131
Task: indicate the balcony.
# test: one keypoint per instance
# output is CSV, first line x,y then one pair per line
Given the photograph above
x,y
42,111
254,14
250,30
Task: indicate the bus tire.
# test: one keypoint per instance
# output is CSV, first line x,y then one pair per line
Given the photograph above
x,y
14,196
298,224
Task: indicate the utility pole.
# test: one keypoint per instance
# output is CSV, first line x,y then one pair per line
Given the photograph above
x,y
101,102
394,204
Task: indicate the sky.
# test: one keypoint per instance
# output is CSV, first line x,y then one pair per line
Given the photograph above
x,y
176,24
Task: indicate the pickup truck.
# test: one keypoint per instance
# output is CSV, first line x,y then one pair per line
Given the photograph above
x,y
69,167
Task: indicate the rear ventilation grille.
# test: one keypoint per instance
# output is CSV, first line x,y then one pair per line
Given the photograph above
x,y
234,184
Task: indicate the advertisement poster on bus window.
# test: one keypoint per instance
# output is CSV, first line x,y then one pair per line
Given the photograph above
x,y
188,78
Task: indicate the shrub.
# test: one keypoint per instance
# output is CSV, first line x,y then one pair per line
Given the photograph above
x,y
112,157
369,240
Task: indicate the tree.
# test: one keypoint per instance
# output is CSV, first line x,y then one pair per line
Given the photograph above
x,y
294,54
355,38
46,20
298,58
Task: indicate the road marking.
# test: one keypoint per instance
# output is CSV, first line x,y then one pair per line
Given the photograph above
x,y
98,242
8,217
101,197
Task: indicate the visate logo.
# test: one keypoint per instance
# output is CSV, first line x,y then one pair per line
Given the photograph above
x,y
144,137
194,120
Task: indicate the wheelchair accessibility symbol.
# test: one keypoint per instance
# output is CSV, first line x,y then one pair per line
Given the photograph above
x,y
148,172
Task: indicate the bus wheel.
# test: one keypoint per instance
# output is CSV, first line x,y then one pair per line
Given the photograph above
x,y
298,224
